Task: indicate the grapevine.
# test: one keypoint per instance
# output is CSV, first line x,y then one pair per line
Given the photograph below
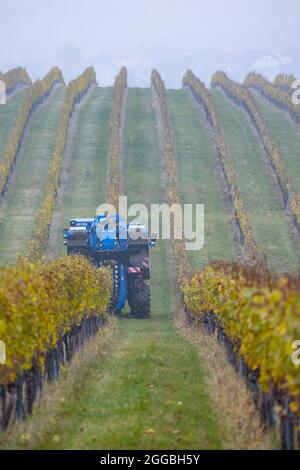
x,y
284,82
114,154
40,302
259,311
203,96
74,92
243,98
35,95
179,251
279,96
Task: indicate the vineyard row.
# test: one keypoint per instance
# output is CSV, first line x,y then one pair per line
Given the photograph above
x,y
203,97
279,96
35,95
179,252
15,78
241,96
46,312
74,93
256,316
113,186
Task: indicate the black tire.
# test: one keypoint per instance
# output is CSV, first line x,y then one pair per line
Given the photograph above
x,y
140,300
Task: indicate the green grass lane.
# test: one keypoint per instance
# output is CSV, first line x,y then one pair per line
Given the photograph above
x,y
8,116
25,193
85,174
260,193
285,135
148,392
141,176
198,179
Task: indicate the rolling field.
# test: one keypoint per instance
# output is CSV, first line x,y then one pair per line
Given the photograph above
x,y
271,225
160,386
200,178
27,184
153,372
156,383
84,173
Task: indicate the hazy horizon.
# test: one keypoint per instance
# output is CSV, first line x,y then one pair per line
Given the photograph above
x,y
143,34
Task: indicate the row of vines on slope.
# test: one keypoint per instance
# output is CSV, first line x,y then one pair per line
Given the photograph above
x,y
274,94
241,96
59,305
47,311
253,312
113,186
35,95
202,96
14,79
284,82
179,251
74,92
256,315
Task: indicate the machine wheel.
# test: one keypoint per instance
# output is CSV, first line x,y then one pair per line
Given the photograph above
x,y
140,300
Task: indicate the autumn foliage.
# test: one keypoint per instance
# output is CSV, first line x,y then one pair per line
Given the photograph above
x,y
40,302
259,311
277,95
169,155
284,82
75,90
34,96
15,78
241,95
114,154
203,96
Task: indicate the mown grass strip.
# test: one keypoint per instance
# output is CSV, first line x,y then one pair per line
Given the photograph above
x,y
34,97
27,187
75,90
8,115
242,223
198,179
169,158
271,225
84,174
148,392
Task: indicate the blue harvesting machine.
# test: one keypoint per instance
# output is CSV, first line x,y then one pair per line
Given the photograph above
x,y
108,240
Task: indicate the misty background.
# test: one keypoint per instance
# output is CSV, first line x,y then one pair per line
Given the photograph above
x,y
235,36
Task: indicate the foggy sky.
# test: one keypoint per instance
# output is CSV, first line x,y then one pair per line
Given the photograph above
x,y
36,30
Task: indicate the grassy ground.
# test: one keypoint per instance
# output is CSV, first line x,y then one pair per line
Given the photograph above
x,y
148,392
8,115
25,193
199,178
260,192
140,384
285,135
84,175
